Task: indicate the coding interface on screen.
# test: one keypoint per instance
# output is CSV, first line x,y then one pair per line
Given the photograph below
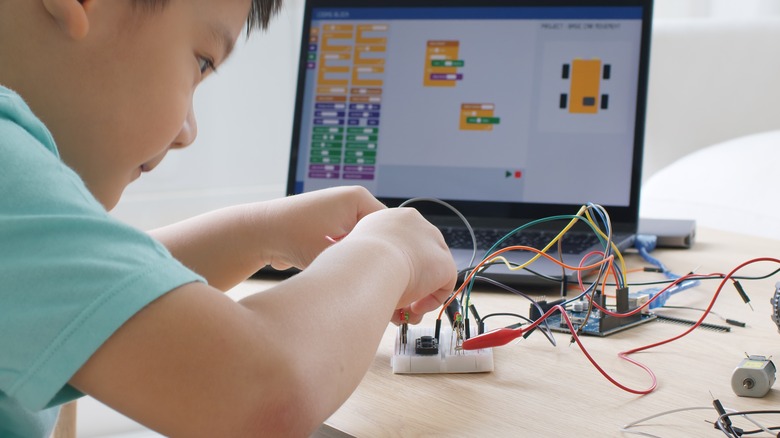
x,y
492,104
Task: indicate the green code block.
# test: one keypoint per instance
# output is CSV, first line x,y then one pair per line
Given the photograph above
x,y
359,160
483,120
362,130
326,145
366,146
447,63
362,137
325,159
327,137
328,130
364,154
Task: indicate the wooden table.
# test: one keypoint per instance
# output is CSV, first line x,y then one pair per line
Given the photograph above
x,y
541,390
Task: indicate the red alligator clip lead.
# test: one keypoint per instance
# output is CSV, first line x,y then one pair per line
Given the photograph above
x,y
495,338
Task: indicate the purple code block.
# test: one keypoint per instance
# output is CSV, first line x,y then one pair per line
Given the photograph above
x,y
446,76
359,176
324,175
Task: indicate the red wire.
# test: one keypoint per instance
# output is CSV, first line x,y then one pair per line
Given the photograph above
x,y
726,278
484,339
473,272
505,337
655,297
654,380
587,256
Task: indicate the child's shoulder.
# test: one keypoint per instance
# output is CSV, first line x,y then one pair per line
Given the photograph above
x,y
23,137
18,125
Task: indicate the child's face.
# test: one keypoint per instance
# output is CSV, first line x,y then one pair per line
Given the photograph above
x,y
129,85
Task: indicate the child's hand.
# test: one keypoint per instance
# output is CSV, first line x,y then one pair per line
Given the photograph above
x,y
431,269
300,227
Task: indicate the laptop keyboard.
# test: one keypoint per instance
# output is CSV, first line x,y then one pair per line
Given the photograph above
x,y
573,242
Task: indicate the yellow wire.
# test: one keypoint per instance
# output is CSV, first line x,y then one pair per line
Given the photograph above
x,y
614,247
497,253
552,242
583,209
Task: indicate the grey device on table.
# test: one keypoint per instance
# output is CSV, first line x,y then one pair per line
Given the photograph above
x,y
671,233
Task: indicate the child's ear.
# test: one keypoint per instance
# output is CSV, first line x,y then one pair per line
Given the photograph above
x,y
70,15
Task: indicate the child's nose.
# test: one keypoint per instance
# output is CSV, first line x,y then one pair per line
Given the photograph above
x,y
188,132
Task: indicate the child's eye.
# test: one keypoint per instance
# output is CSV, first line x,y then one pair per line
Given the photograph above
x,y
205,64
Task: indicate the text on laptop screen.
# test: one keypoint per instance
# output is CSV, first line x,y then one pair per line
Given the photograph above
x,y
504,104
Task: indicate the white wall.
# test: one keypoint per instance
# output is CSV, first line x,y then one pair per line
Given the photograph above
x,y
715,8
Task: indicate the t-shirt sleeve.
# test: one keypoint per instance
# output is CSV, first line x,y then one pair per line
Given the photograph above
x,y
70,274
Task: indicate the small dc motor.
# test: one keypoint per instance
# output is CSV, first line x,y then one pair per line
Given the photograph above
x,y
753,377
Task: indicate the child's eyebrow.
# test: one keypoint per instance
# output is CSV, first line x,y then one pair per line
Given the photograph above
x,y
222,36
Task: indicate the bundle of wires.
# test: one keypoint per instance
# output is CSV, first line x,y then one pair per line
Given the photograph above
x,y
603,263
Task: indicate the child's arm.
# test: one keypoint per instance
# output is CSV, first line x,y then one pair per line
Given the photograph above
x,y
229,245
195,363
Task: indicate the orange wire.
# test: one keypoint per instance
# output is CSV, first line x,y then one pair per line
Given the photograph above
x,y
495,254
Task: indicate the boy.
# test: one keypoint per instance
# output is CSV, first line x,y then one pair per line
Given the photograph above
x,y
94,93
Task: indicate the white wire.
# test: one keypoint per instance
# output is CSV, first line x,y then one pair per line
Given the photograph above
x,y
758,425
459,214
625,427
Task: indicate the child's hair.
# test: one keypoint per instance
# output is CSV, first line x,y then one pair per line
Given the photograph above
x,y
259,15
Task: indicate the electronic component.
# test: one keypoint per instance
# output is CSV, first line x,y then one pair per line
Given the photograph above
x,y
597,323
753,377
453,311
450,357
724,424
480,324
541,307
690,322
426,346
775,300
603,325
404,330
455,315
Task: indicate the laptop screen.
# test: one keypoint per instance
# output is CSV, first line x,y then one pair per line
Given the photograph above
x,y
510,108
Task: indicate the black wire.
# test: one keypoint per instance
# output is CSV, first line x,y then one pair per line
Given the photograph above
x,y
720,424
547,331
753,432
753,412
464,272
563,270
514,315
727,430
643,283
705,277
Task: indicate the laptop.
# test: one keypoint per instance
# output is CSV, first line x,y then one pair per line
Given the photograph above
x,y
507,111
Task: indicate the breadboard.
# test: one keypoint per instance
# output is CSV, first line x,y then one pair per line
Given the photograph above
x,y
448,360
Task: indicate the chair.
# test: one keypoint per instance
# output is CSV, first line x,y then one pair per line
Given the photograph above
x,y
711,80
66,422
729,186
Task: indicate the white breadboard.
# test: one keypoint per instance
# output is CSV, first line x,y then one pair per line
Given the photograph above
x,y
448,360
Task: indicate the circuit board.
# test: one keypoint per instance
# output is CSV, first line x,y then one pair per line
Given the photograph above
x,y
597,324
448,357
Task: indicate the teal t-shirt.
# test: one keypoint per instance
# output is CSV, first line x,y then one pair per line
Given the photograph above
x,y
70,274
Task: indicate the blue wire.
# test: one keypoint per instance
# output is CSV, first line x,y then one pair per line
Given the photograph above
x,y
644,244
